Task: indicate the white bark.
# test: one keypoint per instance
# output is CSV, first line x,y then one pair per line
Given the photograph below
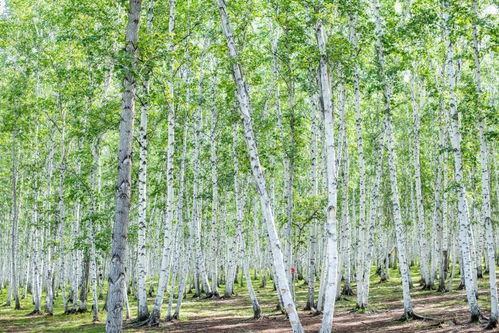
x,y
183,268
170,200
464,241
423,242
259,178
117,270
61,218
353,36
142,309
196,200
239,198
313,229
14,282
399,229
214,186
331,240
484,162
49,299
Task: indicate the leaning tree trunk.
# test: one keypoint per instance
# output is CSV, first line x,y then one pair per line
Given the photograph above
x,y
257,170
117,270
239,198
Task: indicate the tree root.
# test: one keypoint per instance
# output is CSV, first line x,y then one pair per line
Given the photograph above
x,y
207,296
483,317
150,322
317,313
362,309
491,324
309,307
169,318
35,313
258,316
411,315
427,287
442,289
347,292
211,295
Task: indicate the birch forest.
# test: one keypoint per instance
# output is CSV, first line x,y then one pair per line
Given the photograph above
x,y
249,166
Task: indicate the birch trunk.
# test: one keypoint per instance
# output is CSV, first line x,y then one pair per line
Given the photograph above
x,y
170,200
373,215
345,211
93,254
142,308
423,243
117,269
455,136
61,218
259,178
287,163
388,129
240,216
484,162
313,232
214,186
180,206
197,200
49,298
353,36
331,240
14,283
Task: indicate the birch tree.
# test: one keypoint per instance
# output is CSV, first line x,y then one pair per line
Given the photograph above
x,y
117,272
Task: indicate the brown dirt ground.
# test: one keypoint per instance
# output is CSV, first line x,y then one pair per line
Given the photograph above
x,y
446,318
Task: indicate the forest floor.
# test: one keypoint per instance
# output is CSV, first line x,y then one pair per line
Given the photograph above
x,y
449,312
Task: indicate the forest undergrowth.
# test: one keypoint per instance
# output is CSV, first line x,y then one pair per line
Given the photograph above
x,y
448,312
